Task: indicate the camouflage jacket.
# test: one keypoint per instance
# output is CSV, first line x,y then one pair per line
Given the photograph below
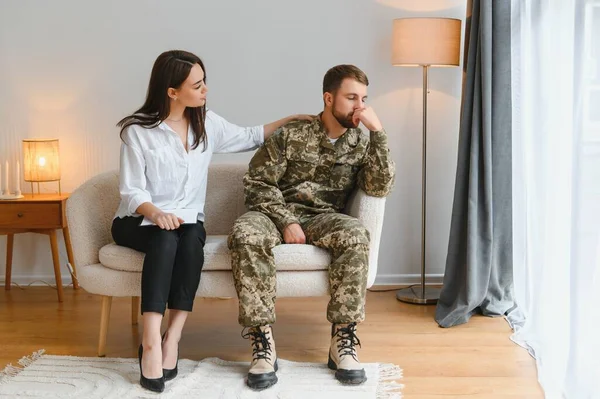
x,y
299,172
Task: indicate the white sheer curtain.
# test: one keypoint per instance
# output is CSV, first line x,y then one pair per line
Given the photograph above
x,y
556,190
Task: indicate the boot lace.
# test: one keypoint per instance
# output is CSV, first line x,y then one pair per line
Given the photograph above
x,y
347,340
260,342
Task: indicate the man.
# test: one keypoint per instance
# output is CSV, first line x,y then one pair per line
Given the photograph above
x,y
296,188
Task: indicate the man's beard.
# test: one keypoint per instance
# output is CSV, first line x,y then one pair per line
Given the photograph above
x,y
344,120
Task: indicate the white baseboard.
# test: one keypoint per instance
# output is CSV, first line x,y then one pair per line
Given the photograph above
x,y
381,279
408,279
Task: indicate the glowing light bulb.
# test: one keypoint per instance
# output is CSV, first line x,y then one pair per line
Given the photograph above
x,y
42,161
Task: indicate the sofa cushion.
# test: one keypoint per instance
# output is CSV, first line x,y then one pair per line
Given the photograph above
x,y
290,257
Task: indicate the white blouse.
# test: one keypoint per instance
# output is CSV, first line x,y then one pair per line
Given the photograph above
x,y
156,168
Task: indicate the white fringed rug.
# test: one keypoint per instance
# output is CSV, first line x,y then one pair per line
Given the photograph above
x,y
45,376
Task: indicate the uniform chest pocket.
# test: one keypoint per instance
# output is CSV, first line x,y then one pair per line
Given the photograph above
x,y
344,171
163,164
301,165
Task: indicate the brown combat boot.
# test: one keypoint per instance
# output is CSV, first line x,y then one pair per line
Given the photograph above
x,y
342,354
264,358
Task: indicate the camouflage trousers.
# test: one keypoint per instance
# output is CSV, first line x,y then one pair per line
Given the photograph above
x,y
251,243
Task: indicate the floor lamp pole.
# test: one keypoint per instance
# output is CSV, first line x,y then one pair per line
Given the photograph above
x,y
423,295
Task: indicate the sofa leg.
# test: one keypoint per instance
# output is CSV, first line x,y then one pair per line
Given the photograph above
x,y
135,310
104,318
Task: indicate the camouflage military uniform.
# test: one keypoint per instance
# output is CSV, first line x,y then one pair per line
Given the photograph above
x,y
299,176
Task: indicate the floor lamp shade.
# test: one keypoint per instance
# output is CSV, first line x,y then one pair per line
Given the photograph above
x,y
426,41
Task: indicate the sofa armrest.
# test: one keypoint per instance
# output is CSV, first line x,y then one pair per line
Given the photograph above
x,y
370,211
90,210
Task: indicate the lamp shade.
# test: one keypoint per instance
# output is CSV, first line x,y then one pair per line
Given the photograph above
x,y
426,41
40,160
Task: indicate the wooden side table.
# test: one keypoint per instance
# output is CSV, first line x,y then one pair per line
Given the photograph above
x,y
37,213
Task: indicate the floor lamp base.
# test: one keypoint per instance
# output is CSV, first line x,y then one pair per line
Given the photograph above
x,y
414,295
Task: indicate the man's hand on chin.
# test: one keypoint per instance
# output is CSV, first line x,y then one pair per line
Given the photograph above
x,y
368,117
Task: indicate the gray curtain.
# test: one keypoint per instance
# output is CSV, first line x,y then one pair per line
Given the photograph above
x,y
478,276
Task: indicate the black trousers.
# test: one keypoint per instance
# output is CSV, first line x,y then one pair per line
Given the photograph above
x,y
173,262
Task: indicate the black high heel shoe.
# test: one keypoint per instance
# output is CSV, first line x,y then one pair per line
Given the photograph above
x,y
169,374
153,384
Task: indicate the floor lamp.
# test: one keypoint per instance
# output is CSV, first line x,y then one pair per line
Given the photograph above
x,y
424,42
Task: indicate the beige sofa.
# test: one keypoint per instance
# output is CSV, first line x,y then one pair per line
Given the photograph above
x,y
107,269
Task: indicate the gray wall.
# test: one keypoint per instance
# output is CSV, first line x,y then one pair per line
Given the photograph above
x,y
72,69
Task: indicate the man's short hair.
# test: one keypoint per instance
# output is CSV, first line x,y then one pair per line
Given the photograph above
x,y
334,77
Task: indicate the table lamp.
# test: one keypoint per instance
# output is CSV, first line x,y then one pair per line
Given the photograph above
x,y
40,162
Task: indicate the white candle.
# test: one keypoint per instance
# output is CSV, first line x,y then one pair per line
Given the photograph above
x,y
1,183
7,181
18,177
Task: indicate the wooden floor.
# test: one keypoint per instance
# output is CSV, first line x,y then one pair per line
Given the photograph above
x,y
476,360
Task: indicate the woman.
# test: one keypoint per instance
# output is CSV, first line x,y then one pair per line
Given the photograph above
x,y
166,149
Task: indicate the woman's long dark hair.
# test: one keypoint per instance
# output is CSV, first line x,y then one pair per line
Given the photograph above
x,y
170,69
